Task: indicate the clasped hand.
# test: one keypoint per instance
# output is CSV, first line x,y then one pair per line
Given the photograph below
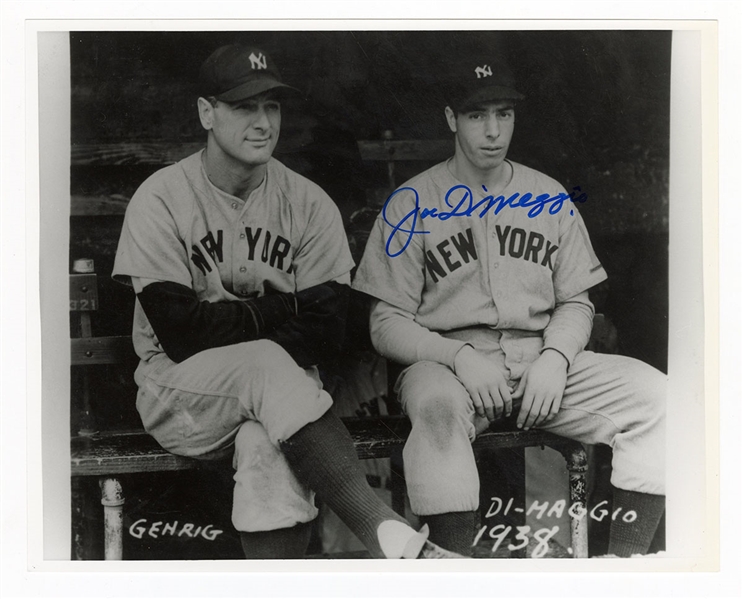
x,y
485,384
540,388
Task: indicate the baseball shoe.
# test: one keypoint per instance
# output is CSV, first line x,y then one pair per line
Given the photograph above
x,y
419,547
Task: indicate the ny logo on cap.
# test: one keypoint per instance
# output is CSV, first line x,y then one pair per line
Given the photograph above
x,y
483,71
257,62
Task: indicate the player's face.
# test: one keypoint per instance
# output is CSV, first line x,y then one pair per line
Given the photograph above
x,y
248,130
483,134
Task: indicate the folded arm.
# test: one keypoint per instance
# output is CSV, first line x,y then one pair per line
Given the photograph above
x,y
186,325
316,335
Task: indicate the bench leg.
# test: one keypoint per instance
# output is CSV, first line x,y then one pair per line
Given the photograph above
x,y
112,498
577,464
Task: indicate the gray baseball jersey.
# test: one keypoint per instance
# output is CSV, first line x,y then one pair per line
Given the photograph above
x,y
457,258
288,235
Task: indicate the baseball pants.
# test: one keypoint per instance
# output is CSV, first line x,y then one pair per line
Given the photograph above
x,y
615,400
239,400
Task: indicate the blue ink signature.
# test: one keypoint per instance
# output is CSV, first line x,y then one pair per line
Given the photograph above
x,y
464,207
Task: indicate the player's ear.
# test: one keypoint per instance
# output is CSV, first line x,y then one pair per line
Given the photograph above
x,y
451,119
206,113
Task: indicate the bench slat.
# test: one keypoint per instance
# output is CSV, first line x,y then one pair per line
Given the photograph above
x,y
129,153
99,205
123,453
162,153
406,149
101,350
130,452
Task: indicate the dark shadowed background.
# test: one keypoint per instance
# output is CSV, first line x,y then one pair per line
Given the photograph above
x,y
596,116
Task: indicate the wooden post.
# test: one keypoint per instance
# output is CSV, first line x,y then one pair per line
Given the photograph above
x,y
83,300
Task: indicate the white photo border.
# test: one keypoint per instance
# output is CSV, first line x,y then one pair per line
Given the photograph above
x,y
704,500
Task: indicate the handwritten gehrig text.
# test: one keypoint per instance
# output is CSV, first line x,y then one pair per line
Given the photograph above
x,y
160,529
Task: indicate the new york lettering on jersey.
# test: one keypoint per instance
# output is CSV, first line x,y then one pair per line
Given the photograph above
x,y
260,244
456,251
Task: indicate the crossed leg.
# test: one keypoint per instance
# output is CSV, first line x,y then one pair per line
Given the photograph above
x,y
254,395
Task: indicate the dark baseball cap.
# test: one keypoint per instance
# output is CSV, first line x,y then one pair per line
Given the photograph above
x,y
473,81
235,72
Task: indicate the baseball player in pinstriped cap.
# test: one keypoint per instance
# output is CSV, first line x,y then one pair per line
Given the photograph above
x,y
241,270
480,269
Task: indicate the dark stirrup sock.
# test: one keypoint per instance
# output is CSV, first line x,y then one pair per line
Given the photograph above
x,y
322,456
283,543
454,531
630,538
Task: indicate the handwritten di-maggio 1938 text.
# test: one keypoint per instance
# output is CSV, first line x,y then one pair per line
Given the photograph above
x,y
500,532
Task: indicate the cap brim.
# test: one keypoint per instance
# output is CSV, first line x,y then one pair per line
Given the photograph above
x,y
255,87
490,93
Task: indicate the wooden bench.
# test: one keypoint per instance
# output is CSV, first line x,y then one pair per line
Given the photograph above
x,y
110,455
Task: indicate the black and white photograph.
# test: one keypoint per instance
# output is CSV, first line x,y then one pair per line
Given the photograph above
x,y
453,244
341,296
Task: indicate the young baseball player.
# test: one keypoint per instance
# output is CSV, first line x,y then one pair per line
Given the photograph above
x,y
480,268
241,270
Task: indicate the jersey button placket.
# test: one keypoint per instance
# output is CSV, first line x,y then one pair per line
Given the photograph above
x,y
240,253
240,281
493,246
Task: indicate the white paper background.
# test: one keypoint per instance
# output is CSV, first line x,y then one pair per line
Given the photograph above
x,y
689,525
